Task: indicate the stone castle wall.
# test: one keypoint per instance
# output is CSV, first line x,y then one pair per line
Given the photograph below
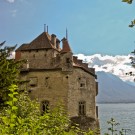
x,y
49,85
59,77
40,59
78,93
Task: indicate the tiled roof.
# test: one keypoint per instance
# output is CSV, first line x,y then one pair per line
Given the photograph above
x,y
43,41
66,47
23,47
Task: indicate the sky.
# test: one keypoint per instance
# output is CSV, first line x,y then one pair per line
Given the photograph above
x,y
94,26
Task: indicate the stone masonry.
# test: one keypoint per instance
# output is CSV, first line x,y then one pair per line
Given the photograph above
x,y
54,75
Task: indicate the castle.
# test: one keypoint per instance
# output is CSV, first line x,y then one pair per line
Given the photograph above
x,y
54,75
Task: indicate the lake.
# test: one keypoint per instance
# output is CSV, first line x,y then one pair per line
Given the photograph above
x,y
122,113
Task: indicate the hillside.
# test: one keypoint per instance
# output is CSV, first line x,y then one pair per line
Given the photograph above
x,y
113,89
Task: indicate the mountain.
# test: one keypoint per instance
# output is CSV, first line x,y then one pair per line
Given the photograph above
x,y
114,90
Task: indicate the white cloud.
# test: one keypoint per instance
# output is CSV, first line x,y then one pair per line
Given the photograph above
x,y
10,1
117,65
12,55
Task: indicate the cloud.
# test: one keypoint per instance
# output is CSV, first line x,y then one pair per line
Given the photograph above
x,y
10,1
118,65
12,55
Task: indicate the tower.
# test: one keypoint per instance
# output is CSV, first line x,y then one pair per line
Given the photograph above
x,y
54,75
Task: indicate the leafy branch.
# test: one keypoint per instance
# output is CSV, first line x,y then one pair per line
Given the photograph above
x,y
128,1
132,24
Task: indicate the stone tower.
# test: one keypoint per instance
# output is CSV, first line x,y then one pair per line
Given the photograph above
x,y
54,74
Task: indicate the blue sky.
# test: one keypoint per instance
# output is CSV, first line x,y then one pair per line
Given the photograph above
x,y
94,26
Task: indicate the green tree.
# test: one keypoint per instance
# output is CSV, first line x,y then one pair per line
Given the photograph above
x,y
128,1
19,114
8,71
22,117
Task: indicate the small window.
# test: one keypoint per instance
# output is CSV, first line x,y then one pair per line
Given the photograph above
x,y
33,55
67,60
47,81
33,81
82,85
47,78
82,108
82,82
45,106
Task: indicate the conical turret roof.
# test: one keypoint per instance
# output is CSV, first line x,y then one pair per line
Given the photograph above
x,y
66,47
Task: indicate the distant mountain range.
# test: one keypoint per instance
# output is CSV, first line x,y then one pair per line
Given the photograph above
x,y
113,90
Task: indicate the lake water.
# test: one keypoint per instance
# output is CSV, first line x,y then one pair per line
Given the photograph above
x,y
122,113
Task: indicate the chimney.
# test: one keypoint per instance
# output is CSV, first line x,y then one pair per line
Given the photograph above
x,y
17,55
53,40
75,59
58,44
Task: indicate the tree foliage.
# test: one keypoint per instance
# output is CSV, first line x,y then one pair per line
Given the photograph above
x,y
8,71
22,117
128,1
132,24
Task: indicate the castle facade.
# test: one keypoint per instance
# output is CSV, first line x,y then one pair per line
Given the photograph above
x,y
55,75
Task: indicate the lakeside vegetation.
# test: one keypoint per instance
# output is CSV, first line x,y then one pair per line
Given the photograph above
x,y
19,115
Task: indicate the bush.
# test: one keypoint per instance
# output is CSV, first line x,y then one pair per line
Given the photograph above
x,y
22,117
